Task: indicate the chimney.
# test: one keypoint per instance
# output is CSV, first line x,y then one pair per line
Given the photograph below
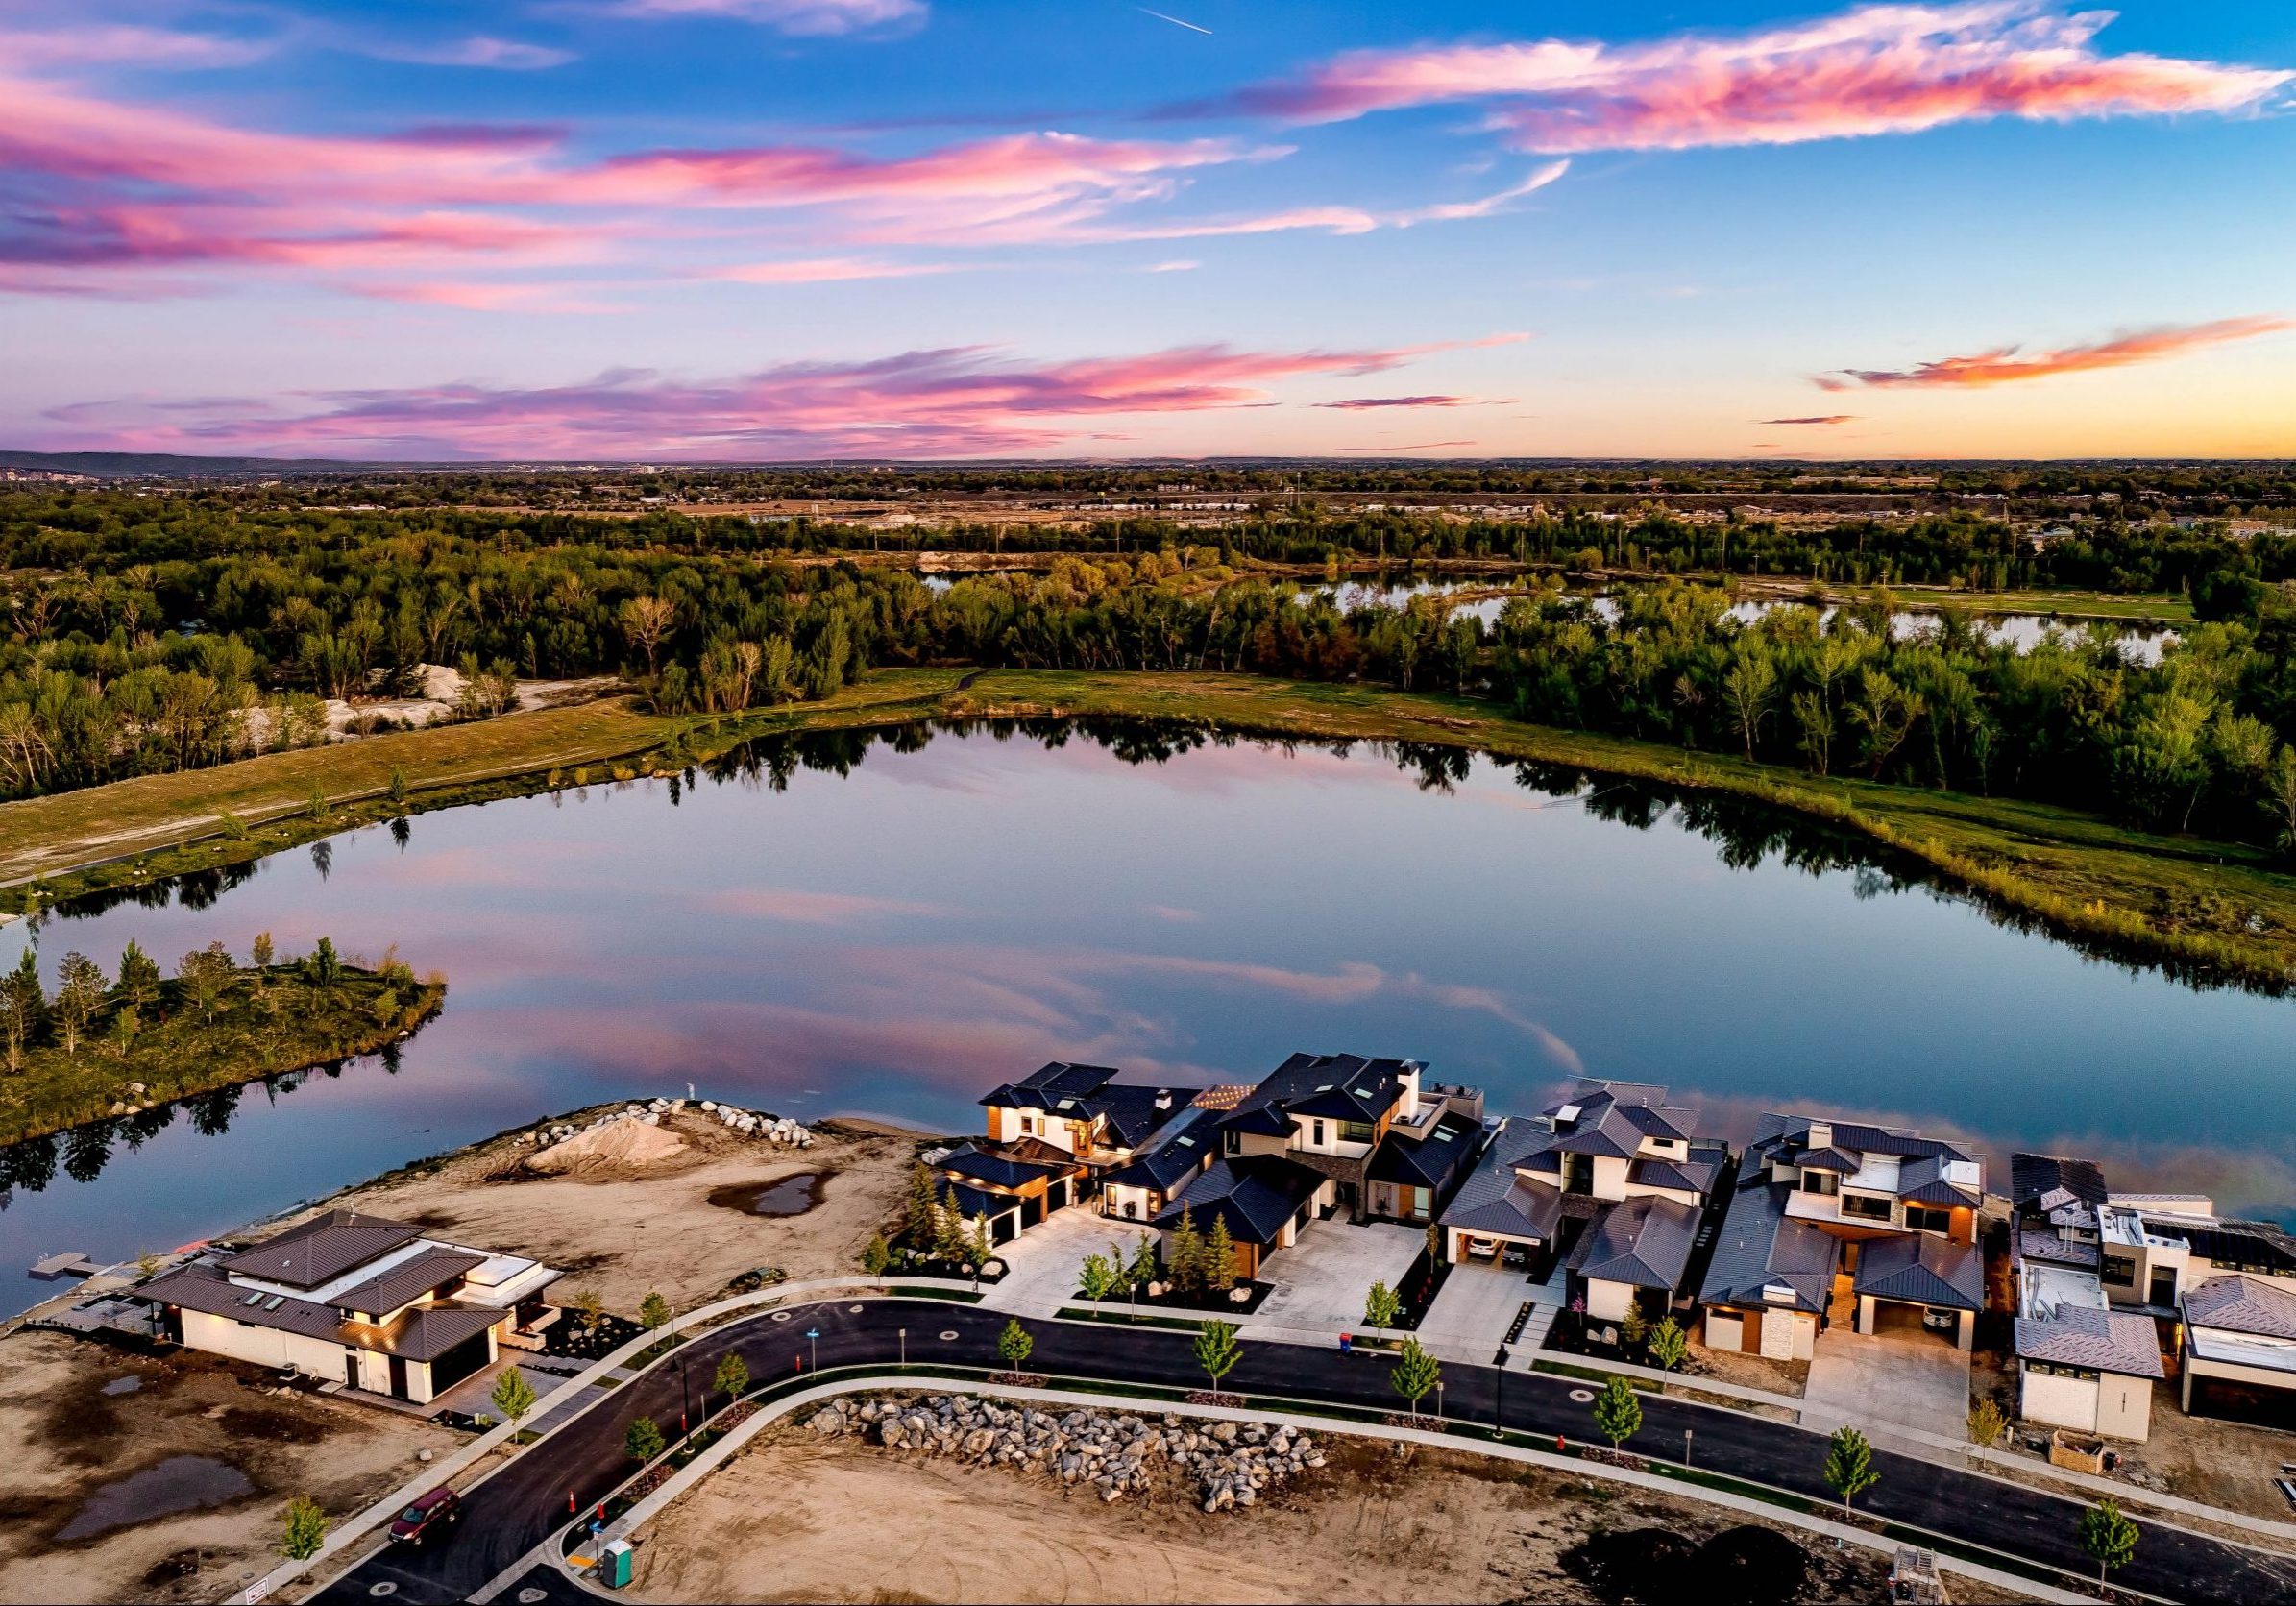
x,y
1821,1134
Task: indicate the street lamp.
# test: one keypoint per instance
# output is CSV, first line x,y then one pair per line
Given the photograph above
x,y
1686,1446
904,1349
814,1335
685,1415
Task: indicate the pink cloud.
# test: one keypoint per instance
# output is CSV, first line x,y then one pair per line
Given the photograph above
x,y
1821,419
957,401
1366,403
825,270
1400,451
788,17
1870,70
2003,365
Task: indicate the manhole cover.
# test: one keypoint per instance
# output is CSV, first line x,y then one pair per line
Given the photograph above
x,y
1582,1395
854,1309
948,1335
781,1316
530,1595
378,1591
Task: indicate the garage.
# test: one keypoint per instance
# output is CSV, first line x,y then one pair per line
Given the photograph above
x,y
457,1363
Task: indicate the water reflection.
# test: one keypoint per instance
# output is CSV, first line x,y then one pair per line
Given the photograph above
x,y
885,922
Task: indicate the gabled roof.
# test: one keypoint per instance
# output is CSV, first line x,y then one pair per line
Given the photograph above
x,y
202,1286
1922,1181
1826,1160
320,1250
424,1272
1494,1198
1644,1241
1783,1134
1612,1118
2242,1304
1254,1194
1917,1268
1760,1247
1432,1160
1337,1087
2032,1178
1135,1112
425,1332
1008,1165
2101,1340
1695,1174
1047,1086
1180,1150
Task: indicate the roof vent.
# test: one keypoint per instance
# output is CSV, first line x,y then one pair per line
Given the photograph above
x,y
1566,1116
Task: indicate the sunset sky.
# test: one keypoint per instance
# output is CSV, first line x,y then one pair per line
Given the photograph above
x,y
774,230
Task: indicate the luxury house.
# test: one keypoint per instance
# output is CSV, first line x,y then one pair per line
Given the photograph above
x,y
355,1299
2080,1364
1876,1222
1612,1181
2239,1354
1322,1133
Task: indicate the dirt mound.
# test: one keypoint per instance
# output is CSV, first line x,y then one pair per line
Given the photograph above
x,y
616,1145
1748,1565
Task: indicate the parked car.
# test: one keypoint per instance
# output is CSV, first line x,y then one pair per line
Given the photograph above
x,y
1482,1249
1941,1320
428,1518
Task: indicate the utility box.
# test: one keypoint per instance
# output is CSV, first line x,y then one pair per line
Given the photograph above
x,y
614,1565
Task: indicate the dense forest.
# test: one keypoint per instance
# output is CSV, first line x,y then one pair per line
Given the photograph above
x,y
148,634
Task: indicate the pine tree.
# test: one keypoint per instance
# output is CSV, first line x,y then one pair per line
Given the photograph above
x,y
23,1008
644,1441
921,1224
1219,1258
1187,1254
948,1237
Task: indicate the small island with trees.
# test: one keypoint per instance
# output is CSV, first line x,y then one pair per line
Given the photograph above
x,y
98,1045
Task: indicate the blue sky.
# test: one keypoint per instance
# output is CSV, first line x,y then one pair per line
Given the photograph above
x,y
771,228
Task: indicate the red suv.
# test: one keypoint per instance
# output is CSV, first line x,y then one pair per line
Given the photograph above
x,y
428,1517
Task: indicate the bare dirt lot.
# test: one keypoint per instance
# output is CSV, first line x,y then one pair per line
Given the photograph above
x,y
625,1229
785,1522
121,1470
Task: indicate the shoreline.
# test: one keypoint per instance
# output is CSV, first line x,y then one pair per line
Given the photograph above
x,y
2117,893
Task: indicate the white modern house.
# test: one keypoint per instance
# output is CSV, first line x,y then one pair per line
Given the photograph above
x,y
2240,1353
358,1300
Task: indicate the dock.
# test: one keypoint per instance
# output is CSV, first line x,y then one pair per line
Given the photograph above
x,y
54,1268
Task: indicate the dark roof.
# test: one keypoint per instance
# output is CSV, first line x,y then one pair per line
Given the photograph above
x,y
1782,1134
1644,1241
1180,1150
2229,1244
1429,1162
1695,1174
424,1272
425,1332
1614,1117
1494,1198
1826,1160
2101,1340
1919,1267
1921,1179
2242,1304
2032,1176
971,1202
2043,1243
320,1250
1338,1087
1760,1245
1136,1113
1048,1085
1254,1194
1007,1165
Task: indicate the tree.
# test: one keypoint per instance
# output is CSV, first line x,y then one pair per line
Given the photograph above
x,y
304,1529
1186,1257
1668,1346
125,1024
1383,1308
1217,1351
980,1246
1219,1258
23,1008
652,1311
2109,1537
1986,1423
1634,1326
1750,684
1016,1344
876,1256
1617,1413
323,967
589,1309
644,1441
1415,1372
79,995
1849,1466
644,620
920,1218
513,1396
1097,1280
733,1375
260,952
948,1234
138,976
204,974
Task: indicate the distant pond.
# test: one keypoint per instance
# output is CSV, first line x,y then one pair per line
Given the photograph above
x,y
889,924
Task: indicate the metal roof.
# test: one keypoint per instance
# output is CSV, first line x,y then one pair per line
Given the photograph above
x,y
1917,1268
426,1272
1645,1241
2101,1340
2242,1304
1760,1246
320,1250
1254,1194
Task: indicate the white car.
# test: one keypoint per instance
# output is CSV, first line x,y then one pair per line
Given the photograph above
x,y
1482,1249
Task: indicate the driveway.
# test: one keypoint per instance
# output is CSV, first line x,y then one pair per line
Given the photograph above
x,y
1042,1264
1879,1380
1321,1281
1475,1307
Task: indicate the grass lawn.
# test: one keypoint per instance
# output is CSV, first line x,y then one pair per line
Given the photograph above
x,y
2212,909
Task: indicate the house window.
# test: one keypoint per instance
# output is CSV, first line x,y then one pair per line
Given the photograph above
x,y
2164,1287
1235,1143
1422,1203
1823,1183
2118,1270
1578,1173
1872,1209
1319,1134
2050,1369
1357,1132
1922,1219
1028,1126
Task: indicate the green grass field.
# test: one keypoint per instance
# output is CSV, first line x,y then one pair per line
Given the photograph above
x,y
2218,910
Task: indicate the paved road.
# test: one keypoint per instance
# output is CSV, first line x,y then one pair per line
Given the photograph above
x,y
524,1503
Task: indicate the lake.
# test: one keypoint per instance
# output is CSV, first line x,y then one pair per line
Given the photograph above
x,y
890,926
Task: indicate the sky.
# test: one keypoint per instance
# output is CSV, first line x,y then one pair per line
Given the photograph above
x,y
803,230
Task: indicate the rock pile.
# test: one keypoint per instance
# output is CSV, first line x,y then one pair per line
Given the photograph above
x,y
774,1128
1229,1463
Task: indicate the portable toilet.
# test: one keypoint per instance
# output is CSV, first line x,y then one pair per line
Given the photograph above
x,y
614,1565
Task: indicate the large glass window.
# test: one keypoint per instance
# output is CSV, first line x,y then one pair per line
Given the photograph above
x,y
1357,1132
1820,1183
2118,1270
1867,1208
1921,1218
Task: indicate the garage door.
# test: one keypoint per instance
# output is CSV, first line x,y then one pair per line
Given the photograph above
x,y
457,1363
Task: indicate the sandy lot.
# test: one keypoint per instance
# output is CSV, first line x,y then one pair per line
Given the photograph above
x,y
786,1521
65,1440
623,1230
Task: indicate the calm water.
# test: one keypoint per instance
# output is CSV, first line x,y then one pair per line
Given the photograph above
x,y
896,937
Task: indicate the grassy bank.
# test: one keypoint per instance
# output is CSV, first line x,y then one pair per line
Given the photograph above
x,y
2209,910
265,1023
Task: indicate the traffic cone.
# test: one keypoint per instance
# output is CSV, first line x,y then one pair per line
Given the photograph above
x,y
572,1509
